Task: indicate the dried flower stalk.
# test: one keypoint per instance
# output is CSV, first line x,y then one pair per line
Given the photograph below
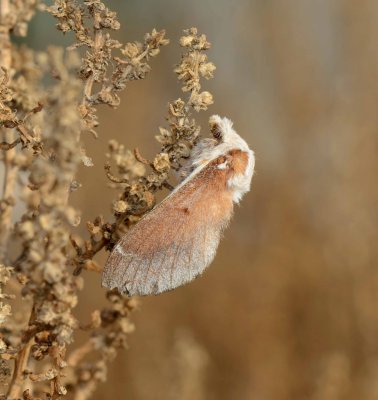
x,y
41,126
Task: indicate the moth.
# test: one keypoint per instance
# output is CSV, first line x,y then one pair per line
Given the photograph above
x,y
178,239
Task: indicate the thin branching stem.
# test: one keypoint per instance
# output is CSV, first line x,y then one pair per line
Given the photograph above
x,y
21,362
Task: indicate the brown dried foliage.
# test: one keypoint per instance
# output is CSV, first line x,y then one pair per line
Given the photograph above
x,y
41,126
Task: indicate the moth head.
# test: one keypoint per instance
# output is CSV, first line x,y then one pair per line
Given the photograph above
x,y
223,132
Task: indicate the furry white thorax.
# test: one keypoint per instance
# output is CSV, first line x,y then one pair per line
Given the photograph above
x,y
210,149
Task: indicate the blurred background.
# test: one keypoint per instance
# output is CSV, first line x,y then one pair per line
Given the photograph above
x,y
289,308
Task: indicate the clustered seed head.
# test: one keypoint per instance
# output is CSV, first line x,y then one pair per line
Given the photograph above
x,y
194,66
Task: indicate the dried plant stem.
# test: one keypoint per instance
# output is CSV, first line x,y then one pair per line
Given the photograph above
x,y
98,42
20,364
15,385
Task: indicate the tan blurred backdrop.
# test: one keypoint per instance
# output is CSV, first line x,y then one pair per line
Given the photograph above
x,y
288,310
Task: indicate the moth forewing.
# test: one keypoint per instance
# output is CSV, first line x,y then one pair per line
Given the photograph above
x,y
176,241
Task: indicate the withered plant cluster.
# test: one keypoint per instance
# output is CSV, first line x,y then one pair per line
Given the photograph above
x,y
48,100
